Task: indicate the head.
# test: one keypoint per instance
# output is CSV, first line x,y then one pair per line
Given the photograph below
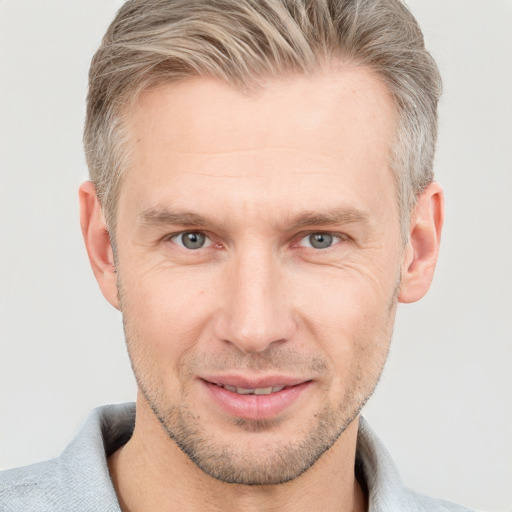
x,y
265,169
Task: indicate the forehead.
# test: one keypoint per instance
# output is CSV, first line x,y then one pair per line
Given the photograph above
x,y
332,100
332,130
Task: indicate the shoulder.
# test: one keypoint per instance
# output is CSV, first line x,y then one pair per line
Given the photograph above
x,y
414,501
385,488
78,480
36,487
51,486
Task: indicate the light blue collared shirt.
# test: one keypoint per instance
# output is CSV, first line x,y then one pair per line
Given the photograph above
x,y
79,481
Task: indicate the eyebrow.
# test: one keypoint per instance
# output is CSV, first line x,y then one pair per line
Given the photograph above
x,y
330,217
157,216
336,216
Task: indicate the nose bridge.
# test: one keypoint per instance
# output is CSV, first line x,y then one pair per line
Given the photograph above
x,y
256,312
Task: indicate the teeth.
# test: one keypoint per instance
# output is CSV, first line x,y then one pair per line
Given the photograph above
x,y
263,391
245,391
253,391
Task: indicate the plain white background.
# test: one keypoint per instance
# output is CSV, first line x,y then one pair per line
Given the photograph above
x,y
443,407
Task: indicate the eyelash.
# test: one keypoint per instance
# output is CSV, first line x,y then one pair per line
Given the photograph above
x,y
338,238
172,238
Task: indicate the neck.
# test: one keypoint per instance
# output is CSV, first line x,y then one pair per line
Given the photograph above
x,y
150,473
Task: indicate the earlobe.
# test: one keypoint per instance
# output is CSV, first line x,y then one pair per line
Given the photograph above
x,y
421,252
97,242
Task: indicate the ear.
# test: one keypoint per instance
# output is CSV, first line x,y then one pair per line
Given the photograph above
x,y
97,242
420,254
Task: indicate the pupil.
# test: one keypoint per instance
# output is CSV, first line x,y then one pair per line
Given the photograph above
x,y
320,240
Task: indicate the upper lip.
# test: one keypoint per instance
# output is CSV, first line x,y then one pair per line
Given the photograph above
x,y
240,381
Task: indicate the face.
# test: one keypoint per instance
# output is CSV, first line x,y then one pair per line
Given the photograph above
x,y
258,264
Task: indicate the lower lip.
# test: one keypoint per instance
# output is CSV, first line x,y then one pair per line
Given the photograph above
x,y
255,407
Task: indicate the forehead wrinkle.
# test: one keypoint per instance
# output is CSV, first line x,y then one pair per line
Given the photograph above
x,y
196,150
262,176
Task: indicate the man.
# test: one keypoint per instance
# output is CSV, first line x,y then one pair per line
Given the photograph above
x,y
261,198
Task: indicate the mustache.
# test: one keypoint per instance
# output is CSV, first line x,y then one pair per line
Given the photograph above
x,y
272,360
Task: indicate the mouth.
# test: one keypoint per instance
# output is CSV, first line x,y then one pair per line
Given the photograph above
x,y
251,391
258,399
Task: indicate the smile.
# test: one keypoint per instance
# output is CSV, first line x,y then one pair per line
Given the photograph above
x,y
252,391
255,399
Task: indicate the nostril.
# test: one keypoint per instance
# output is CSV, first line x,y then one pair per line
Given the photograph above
x,y
253,344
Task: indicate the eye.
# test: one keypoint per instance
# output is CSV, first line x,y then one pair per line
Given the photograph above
x,y
319,240
192,240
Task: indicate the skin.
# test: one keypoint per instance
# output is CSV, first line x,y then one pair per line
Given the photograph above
x,y
257,175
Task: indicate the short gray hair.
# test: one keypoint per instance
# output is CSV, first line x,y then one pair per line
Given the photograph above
x,y
244,42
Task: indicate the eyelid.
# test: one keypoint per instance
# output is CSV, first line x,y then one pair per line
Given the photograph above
x,y
173,236
341,237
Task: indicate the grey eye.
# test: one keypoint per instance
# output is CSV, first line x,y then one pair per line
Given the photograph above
x,y
191,240
319,240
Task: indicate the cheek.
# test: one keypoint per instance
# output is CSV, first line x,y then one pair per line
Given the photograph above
x,y
164,315
349,299
350,314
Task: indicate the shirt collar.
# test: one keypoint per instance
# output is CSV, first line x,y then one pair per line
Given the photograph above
x,y
110,427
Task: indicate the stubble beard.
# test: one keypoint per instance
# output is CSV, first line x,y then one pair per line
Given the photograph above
x,y
234,464
281,462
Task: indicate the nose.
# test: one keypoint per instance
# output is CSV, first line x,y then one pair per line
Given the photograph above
x,y
255,309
